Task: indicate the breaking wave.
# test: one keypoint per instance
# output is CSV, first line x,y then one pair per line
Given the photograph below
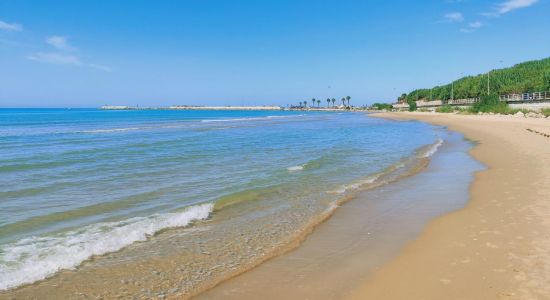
x,y
32,259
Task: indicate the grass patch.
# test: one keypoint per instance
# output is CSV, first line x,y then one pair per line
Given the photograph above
x,y
545,112
445,109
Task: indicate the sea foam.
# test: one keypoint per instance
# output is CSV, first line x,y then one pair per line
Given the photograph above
x,y
295,168
433,148
32,259
248,119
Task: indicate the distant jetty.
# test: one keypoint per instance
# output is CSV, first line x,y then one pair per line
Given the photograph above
x,y
186,107
116,107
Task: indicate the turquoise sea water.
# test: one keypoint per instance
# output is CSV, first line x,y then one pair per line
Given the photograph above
x,y
83,182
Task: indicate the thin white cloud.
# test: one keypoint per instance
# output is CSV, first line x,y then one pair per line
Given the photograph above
x,y
454,17
10,27
60,42
473,26
62,57
55,58
100,67
511,5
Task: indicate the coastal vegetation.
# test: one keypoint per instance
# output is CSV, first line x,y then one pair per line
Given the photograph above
x,y
527,77
491,103
445,109
531,76
382,106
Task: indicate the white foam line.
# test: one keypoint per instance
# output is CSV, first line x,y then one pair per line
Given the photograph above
x,y
110,130
247,119
295,168
355,185
36,258
433,148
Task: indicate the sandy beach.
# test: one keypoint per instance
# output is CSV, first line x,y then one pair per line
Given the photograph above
x,y
497,247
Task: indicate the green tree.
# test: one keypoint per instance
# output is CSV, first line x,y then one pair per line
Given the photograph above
x,y
348,98
333,101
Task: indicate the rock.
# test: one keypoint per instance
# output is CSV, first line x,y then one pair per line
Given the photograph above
x,y
531,115
519,114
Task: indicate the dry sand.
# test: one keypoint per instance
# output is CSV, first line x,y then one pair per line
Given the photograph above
x,y
498,246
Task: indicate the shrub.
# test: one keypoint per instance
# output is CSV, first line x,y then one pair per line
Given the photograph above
x,y
491,103
445,109
412,105
545,112
381,106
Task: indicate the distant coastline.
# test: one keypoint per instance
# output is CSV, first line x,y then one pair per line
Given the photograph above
x,y
190,107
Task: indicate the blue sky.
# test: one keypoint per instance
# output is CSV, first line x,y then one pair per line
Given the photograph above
x,y
205,52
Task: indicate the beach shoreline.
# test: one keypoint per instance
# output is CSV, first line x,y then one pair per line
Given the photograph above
x,y
163,261
363,234
493,248
497,246
182,261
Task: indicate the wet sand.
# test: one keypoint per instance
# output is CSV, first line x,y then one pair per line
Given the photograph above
x,y
498,246
362,234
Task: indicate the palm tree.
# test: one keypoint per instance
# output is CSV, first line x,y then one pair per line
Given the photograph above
x,y
318,103
344,101
348,98
333,100
328,102
313,101
300,104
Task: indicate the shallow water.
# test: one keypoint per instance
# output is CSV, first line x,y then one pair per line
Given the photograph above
x,y
75,184
363,234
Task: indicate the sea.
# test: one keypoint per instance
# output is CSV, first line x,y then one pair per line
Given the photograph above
x,y
182,198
